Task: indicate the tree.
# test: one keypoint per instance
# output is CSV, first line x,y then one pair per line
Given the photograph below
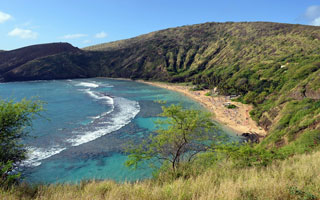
x,y
179,137
15,117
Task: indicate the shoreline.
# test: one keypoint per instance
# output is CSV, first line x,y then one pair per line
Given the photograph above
x,y
237,119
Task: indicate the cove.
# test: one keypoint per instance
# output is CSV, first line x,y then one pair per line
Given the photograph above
x,y
90,121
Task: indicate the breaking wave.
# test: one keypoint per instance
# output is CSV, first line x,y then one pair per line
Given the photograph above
x,y
121,113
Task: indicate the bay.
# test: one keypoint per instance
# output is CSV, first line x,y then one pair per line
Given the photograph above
x,y
86,125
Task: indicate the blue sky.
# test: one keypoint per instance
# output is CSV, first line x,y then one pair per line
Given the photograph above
x,y
87,22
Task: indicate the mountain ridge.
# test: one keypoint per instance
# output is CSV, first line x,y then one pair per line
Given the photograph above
x,y
109,45
12,61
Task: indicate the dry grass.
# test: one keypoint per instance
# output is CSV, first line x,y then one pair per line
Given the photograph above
x,y
295,178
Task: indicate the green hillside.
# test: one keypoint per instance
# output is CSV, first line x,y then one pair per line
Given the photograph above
x,y
276,67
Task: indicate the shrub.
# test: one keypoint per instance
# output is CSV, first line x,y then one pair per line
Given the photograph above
x,y
231,106
14,118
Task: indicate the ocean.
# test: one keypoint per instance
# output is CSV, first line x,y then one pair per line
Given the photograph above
x,y
86,125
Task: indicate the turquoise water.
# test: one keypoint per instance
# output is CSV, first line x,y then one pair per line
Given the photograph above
x,y
90,122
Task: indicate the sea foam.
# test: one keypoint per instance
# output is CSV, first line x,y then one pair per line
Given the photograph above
x,y
127,111
96,95
35,155
88,84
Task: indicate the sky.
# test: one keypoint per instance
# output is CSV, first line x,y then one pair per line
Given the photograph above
x,y
87,22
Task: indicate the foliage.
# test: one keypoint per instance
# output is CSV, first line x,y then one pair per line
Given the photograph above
x,y
302,194
231,106
297,128
248,155
8,176
180,136
15,117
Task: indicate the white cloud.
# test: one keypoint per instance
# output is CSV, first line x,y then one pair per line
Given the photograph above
x,y
23,33
312,12
316,22
4,17
101,35
74,36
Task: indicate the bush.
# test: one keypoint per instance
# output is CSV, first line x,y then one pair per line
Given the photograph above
x,y
248,155
14,118
8,176
180,136
231,106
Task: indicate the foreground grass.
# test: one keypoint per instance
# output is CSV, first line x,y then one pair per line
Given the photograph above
x,y
295,178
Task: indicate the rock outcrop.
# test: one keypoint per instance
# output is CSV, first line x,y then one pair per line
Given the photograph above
x,y
252,137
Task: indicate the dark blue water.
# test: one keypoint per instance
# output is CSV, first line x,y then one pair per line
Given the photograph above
x,y
90,122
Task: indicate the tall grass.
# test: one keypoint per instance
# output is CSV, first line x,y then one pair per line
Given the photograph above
x,y
294,178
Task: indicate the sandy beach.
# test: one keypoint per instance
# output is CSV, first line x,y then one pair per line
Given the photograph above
x,y
237,119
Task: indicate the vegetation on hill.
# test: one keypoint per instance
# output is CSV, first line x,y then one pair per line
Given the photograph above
x,y
275,67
